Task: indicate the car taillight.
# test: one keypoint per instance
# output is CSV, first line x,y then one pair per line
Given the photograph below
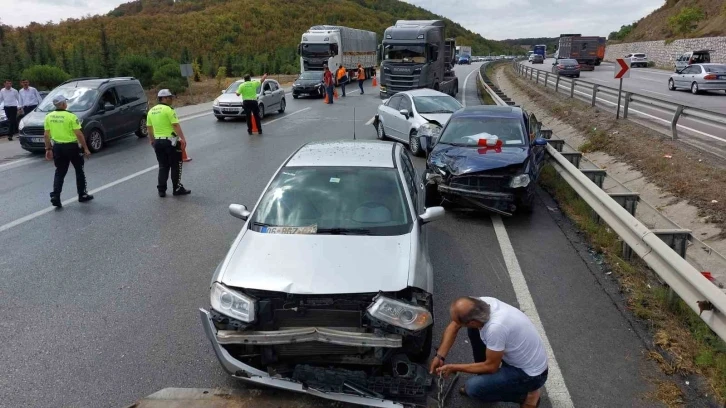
x,y
561,66
711,76
577,66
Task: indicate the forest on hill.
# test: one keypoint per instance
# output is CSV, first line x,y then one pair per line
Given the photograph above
x,y
240,35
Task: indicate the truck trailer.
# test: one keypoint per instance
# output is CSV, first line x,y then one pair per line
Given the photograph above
x,y
582,49
416,54
334,46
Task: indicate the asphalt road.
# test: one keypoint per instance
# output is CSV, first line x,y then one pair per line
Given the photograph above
x,y
652,83
98,301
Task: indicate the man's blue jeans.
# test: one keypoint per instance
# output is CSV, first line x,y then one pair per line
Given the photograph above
x,y
508,384
329,91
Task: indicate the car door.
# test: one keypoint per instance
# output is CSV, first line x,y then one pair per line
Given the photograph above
x,y
132,110
389,112
277,93
415,187
403,123
680,78
266,97
694,74
112,118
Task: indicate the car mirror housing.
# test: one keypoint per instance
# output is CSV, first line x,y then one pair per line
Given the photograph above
x,y
404,112
540,141
239,211
108,107
432,214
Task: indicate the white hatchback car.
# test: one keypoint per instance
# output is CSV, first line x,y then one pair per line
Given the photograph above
x,y
327,289
407,115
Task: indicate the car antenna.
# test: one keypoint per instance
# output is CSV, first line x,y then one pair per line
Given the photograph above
x,y
354,123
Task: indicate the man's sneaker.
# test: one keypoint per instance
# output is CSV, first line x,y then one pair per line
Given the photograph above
x,y
162,193
181,191
55,201
82,198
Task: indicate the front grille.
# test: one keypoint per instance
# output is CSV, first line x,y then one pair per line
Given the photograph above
x,y
317,318
316,348
399,83
33,131
238,104
493,183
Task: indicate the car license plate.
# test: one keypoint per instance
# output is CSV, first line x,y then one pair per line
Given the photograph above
x,y
722,77
230,110
36,140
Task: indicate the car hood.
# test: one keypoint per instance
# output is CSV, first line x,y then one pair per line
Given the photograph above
x,y
318,264
35,119
229,97
462,160
440,118
307,82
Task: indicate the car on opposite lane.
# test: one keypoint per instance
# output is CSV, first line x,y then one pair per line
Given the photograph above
x,y
270,96
309,83
487,157
637,59
567,67
537,59
108,108
408,114
329,283
700,77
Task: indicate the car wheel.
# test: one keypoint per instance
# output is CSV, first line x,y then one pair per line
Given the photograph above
x,y
262,111
282,106
694,88
414,145
142,131
94,141
526,206
219,118
295,96
671,85
381,131
577,76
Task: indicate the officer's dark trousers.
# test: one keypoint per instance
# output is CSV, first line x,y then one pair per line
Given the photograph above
x,y
65,154
170,159
252,110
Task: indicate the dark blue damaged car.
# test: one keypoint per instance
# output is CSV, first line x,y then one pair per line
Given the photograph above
x,y
486,157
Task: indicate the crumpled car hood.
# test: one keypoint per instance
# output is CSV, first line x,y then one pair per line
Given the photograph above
x,y
459,160
319,264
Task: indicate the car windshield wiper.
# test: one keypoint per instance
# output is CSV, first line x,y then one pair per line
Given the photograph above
x,y
262,224
344,231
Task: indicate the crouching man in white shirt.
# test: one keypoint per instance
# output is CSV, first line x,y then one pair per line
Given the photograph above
x,y
509,357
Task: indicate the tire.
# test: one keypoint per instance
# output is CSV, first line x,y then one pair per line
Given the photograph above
x,y
219,118
262,111
694,88
413,144
526,206
381,133
94,140
142,131
295,96
577,76
282,106
671,85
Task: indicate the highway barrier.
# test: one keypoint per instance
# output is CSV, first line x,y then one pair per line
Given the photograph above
x,y
663,250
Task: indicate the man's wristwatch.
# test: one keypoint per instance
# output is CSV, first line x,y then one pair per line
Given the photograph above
x,y
440,357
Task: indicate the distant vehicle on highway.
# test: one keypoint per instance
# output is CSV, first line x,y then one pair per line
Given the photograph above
x,y
331,272
408,114
637,59
336,45
583,49
309,83
692,57
700,77
108,108
465,60
537,59
487,157
566,67
540,49
270,96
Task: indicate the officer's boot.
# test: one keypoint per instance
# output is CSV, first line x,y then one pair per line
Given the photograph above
x,y
55,200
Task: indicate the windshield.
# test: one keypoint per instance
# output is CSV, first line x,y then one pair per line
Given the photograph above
x,y
406,53
436,104
79,99
335,200
312,75
466,131
316,50
720,69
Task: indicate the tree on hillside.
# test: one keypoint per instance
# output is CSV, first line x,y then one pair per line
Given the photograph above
x,y
106,60
186,57
686,20
45,76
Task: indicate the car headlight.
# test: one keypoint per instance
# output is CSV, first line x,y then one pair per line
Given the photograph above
x,y
519,181
232,303
400,314
429,129
216,102
21,125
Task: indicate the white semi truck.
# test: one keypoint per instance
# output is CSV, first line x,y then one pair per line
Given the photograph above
x,y
336,45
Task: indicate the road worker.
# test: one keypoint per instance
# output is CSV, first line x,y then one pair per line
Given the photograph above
x,y
361,77
65,145
167,138
248,91
342,77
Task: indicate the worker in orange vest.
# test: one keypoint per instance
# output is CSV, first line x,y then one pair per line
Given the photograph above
x,y
361,77
342,76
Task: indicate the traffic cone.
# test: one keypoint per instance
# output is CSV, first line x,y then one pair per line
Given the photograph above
x,y
185,158
326,97
375,82
255,128
335,94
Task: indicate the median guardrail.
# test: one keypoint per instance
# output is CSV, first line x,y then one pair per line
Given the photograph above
x,y
590,91
662,250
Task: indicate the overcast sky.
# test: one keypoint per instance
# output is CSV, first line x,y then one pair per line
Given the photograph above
x,y
495,19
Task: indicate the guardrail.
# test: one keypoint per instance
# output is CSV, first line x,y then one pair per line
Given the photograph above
x,y
662,250
675,110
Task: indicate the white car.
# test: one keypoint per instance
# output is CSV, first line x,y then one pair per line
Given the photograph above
x,y
406,115
327,289
637,59
270,96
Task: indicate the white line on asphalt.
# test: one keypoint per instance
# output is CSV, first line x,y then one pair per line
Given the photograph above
x,y
653,92
286,116
104,187
463,92
15,162
557,391
370,121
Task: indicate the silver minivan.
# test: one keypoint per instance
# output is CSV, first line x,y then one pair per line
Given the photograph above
x,y
692,57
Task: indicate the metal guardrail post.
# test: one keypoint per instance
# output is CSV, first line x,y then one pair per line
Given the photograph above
x,y
594,93
531,73
572,88
537,81
674,121
626,105
557,83
547,77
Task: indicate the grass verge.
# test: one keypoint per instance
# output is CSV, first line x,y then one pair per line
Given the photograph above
x,y
683,344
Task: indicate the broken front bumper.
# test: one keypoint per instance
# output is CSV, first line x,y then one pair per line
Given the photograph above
x,y
502,203
250,374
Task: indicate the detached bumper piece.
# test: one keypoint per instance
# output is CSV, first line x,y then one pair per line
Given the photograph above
x,y
308,334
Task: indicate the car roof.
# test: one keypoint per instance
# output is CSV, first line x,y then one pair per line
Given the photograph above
x,y
344,153
423,92
490,110
96,82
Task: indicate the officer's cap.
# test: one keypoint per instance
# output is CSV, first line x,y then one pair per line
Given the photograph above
x,y
58,99
164,93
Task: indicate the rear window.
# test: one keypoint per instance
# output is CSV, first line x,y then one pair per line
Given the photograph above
x,y
568,62
719,69
639,55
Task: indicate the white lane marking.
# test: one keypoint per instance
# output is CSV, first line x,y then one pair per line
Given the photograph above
x,y
286,116
46,210
194,116
15,162
370,121
557,391
73,200
653,92
463,92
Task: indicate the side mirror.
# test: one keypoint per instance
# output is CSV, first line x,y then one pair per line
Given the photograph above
x,y
267,93
108,107
222,92
239,211
540,142
432,214
404,112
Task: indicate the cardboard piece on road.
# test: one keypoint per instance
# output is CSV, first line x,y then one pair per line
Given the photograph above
x,y
186,70
622,68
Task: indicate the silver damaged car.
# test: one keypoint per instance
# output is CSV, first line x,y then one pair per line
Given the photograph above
x,y
327,290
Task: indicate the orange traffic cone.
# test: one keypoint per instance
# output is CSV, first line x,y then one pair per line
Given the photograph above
x,y
326,97
255,128
185,158
335,94
375,82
